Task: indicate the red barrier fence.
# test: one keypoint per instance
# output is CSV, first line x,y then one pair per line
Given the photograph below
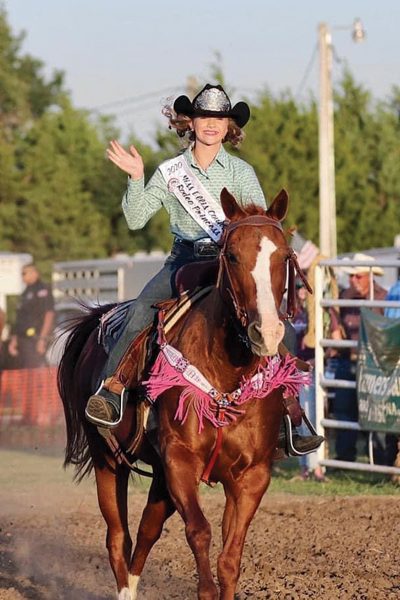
x,y
30,397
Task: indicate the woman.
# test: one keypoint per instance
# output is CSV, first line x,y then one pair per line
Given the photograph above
x,y
193,179
208,122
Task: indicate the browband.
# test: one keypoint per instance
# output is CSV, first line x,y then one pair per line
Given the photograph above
x,y
257,220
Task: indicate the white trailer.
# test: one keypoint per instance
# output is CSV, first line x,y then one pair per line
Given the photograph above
x,y
106,280
11,283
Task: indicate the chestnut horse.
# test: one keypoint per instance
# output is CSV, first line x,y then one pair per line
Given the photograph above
x,y
227,335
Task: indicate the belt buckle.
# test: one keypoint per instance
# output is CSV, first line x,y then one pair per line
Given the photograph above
x,y
205,248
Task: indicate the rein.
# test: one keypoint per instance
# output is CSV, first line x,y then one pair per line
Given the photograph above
x,y
294,270
292,267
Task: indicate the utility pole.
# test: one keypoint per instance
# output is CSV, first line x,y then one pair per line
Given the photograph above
x,y
327,197
327,193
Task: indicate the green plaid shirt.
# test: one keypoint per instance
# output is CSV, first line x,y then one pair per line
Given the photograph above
x,y
141,202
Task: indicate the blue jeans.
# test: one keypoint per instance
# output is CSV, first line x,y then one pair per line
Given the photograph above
x,y
307,401
344,407
142,313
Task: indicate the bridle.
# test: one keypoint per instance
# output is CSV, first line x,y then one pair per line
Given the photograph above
x,y
293,268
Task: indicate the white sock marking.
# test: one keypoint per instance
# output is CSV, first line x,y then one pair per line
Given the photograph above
x,y
124,594
131,593
133,584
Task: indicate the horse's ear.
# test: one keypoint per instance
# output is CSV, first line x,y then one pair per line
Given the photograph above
x,y
230,207
279,206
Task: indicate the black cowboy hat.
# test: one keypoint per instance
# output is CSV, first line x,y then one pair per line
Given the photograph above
x,y
212,101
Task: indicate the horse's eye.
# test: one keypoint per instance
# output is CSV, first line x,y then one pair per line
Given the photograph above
x,y
232,258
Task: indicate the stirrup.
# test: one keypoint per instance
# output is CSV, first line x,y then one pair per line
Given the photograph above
x,y
109,424
290,448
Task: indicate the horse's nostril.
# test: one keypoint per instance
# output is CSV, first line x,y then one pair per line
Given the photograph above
x,y
254,332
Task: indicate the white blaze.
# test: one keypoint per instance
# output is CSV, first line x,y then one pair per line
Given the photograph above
x,y
265,298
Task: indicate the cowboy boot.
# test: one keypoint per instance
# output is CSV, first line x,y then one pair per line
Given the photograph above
x,y
106,407
289,439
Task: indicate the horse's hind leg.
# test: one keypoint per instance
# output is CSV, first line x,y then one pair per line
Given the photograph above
x,y
242,502
112,491
158,509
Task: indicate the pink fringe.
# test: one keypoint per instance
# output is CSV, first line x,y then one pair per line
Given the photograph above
x,y
274,374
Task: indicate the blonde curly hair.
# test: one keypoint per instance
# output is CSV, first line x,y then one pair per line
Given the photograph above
x,y
182,126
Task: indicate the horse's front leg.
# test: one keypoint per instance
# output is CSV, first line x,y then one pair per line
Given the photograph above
x,y
158,509
183,471
242,501
112,491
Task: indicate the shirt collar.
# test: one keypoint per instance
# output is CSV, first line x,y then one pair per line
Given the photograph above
x,y
221,158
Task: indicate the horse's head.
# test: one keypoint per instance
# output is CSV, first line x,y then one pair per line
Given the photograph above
x,y
253,267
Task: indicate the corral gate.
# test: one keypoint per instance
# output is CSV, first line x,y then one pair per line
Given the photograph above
x,y
322,383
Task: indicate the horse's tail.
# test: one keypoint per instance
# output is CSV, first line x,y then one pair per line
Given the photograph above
x,y
81,361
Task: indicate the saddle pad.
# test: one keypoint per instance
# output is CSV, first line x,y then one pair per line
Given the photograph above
x,y
112,324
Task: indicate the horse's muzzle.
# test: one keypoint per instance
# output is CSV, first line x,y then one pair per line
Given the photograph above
x,y
265,342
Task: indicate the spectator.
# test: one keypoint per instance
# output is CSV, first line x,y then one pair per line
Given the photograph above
x,y
33,327
345,325
308,463
393,294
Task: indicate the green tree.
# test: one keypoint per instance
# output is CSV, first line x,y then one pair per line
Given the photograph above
x,y
367,148
281,146
55,215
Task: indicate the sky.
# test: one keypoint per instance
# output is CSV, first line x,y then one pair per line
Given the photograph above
x,y
128,57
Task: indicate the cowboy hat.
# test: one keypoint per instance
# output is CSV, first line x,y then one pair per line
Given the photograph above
x,y
359,256
212,101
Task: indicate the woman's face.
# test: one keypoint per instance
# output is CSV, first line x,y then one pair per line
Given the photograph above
x,y
361,283
210,130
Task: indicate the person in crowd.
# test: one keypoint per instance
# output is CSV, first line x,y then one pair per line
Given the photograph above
x,y
31,333
393,294
207,122
309,467
345,324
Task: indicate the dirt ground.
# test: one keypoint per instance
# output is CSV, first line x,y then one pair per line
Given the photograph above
x,y
52,544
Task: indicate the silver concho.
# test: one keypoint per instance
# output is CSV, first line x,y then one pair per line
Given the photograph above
x,y
213,99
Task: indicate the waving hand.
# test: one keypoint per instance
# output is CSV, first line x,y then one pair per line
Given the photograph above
x,y
131,162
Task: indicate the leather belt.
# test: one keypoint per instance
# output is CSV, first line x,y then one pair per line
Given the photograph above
x,y
203,248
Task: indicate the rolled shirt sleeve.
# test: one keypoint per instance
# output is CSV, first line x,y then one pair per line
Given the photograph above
x,y
140,203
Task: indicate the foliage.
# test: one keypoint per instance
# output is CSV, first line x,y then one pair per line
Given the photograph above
x,y
281,144
60,198
367,150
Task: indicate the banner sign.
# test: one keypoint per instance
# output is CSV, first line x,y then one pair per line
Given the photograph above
x,y
378,372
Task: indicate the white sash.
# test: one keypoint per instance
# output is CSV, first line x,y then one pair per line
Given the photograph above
x,y
193,196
